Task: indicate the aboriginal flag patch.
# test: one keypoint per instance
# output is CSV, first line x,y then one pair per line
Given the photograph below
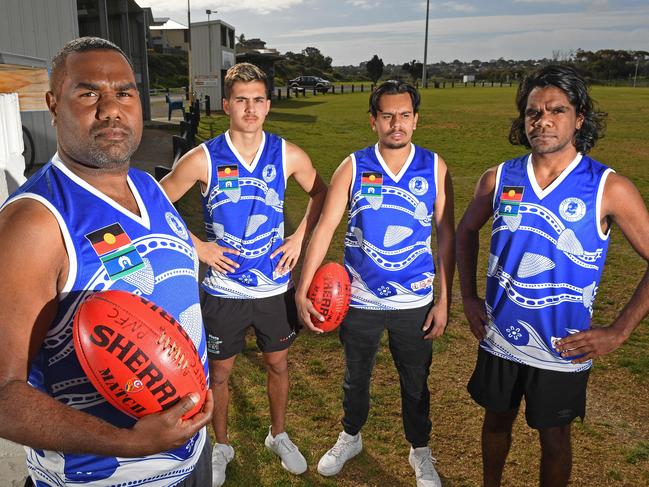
x,y
117,253
510,200
371,183
228,177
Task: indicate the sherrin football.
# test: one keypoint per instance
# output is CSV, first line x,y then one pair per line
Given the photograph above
x,y
136,354
330,293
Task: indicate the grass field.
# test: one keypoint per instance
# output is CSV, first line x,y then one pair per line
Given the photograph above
x,y
469,128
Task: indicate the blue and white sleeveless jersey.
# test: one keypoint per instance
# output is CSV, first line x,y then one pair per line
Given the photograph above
x,y
109,247
546,259
243,209
387,244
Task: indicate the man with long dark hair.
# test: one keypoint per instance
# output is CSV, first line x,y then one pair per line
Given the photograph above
x,y
552,214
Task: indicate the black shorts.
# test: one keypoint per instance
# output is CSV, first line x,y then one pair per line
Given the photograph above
x,y
551,398
274,320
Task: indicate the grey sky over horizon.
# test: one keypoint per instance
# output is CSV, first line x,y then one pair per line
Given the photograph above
x,y
352,31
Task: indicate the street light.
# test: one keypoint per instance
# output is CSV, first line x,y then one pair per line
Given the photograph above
x,y
190,85
209,35
424,81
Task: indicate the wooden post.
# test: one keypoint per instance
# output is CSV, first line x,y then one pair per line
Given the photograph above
x,y
342,89
352,88
279,93
362,86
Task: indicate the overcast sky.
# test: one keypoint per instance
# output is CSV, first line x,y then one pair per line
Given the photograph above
x,y
351,31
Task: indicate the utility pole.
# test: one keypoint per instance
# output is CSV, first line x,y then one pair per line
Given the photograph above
x,y
635,76
209,35
424,80
190,84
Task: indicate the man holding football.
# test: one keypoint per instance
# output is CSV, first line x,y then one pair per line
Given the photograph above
x,y
395,193
53,229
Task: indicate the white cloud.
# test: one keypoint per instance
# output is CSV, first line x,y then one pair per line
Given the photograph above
x,y
364,4
591,4
458,7
491,25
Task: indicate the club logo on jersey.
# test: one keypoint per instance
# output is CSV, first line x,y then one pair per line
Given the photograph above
x,y
418,185
572,209
510,200
269,172
176,225
117,253
372,188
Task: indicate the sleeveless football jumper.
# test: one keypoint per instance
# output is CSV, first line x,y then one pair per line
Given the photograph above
x,y
546,259
388,241
109,247
243,209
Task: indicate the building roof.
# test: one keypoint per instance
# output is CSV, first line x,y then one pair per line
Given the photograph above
x,y
165,23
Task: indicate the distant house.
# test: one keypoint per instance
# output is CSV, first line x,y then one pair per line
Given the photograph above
x,y
168,36
467,78
254,51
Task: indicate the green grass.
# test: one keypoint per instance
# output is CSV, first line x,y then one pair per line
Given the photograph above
x,y
638,453
468,127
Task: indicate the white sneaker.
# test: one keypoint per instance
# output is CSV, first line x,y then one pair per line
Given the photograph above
x,y
423,463
346,447
292,459
222,454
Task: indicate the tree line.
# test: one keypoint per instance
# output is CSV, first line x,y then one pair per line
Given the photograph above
x,y
601,65
167,70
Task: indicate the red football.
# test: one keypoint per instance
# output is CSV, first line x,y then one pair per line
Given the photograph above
x,y
136,354
330,293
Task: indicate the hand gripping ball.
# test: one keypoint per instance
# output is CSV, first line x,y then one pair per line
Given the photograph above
x,y
330,293
136,354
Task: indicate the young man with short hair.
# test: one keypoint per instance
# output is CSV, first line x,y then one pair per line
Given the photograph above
x,y
552,212
243,175
395,192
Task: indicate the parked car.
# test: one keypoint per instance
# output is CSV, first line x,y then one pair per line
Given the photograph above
x,y
310,82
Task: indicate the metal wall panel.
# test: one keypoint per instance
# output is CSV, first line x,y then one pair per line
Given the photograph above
x,y
38,28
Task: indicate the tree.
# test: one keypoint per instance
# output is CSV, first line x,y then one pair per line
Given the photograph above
x,y
374,68
414,69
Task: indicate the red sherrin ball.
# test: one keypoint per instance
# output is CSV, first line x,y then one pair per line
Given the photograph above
x,y
330,293
136,354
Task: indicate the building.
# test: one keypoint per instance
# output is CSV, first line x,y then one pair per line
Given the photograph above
x,y
168,36
30,31
254,51
127,25
212,54
36,30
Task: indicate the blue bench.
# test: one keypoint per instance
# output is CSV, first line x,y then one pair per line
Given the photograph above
x,y
174,105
